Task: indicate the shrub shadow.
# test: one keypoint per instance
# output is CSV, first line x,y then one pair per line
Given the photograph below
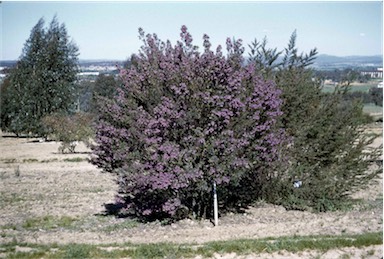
x,y
114,209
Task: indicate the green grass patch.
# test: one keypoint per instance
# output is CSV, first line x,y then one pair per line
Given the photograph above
x,y
126,224
8,226
364,88
10,199
372,108
295,244
48,223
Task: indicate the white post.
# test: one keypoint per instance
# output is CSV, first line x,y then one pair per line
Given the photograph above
x,y
215,206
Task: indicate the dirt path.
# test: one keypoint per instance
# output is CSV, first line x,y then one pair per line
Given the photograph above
x,y
47,197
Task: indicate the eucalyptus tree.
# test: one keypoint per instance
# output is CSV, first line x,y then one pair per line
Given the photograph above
x,y
43,80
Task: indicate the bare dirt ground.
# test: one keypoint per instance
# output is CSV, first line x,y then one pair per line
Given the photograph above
x,y
48,197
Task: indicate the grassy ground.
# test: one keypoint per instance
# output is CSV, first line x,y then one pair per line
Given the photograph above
x,y
372,109
52,205
292,244
360,87
355,87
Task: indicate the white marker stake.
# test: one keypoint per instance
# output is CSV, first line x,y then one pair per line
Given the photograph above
x,y
215,207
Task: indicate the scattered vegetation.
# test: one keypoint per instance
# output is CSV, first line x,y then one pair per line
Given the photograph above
x,y
30,160
49,160
9,160
34,160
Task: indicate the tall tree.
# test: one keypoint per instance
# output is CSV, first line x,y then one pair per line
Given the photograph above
x,y
42,82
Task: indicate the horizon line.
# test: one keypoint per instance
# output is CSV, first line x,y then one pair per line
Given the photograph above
x,y
119,59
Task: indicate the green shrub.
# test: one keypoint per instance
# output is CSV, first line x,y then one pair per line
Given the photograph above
x,y
330,153
69,129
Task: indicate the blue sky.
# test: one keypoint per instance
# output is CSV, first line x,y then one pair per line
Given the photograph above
x,y
109,30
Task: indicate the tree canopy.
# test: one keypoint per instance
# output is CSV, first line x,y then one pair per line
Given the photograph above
x,y
42,82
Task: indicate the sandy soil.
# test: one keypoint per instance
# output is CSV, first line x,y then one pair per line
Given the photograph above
x,y
37,183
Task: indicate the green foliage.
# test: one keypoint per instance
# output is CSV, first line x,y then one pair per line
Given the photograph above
x,y
6,102
329,154
89,93
69,129
42,82
105,86
377,96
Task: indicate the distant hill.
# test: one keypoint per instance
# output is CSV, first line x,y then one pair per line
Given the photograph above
x,y
99,62
7,63
324,61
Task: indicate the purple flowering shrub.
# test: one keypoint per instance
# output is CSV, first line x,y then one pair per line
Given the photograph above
x,y
183,119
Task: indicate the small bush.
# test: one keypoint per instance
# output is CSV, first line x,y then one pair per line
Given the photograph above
x,y
69,129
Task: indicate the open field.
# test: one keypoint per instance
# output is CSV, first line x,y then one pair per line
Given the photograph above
x,y
374,110
50,200
354,87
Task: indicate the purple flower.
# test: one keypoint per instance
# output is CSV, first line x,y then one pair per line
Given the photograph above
x,y
183,119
